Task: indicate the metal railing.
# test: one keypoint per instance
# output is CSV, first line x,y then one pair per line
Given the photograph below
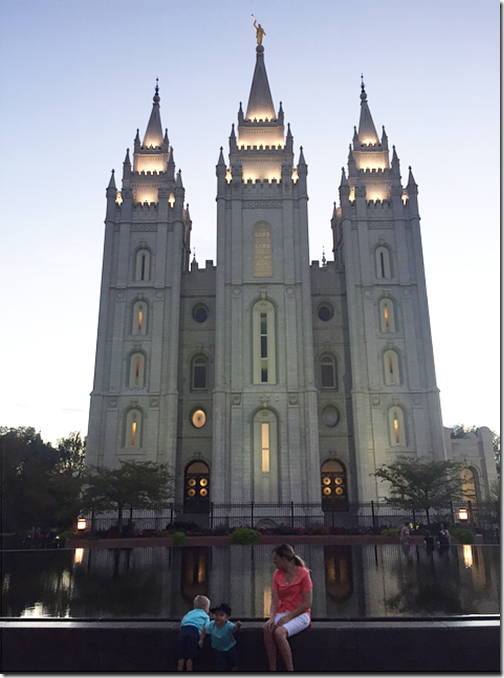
x,y
368,515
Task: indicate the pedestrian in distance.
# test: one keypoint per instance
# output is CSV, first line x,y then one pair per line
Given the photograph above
x,y
291,599
428,540
189,634
221,632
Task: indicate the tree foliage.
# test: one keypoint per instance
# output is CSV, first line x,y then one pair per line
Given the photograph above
x,y
135,484
421,483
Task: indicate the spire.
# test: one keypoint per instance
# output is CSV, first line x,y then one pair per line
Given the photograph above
x,y
289,141
112,183
260,104
127,166
221,162
367,131
411,181
154,133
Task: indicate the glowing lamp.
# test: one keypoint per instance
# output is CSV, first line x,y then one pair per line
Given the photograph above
x,y
463,514
81,524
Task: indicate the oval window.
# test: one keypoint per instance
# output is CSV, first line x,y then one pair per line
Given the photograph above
x,y
330,416
325,312
200,313
198,418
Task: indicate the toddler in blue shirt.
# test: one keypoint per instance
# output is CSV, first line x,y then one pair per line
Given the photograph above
x,y
190,628
221,633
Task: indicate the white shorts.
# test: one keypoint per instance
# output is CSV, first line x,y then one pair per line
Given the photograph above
x,y
295,625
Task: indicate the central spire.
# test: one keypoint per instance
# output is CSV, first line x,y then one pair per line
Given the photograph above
x,y
260,103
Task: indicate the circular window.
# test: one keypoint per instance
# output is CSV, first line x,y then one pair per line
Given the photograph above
x,y
191,482
203,482
338,481
200,313
327,491
330,416
191,493
326,481
325,312
203,492
198,418
339,491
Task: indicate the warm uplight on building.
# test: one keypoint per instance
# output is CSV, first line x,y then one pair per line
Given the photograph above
x,y
78,555
295,176
171,200
229,176
351,196
81,524
119,198
405,198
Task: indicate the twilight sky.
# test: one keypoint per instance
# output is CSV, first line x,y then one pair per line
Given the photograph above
x,y
77,79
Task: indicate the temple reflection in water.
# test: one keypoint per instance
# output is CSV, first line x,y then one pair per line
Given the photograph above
x,y
355,582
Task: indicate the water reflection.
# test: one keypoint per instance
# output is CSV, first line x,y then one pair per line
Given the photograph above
x,y
349,581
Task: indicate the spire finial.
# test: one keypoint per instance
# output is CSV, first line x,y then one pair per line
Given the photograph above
x,y
324,260
363,95
156,95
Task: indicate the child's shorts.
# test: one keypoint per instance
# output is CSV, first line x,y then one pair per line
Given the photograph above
x,y
187,646
226,660
295,625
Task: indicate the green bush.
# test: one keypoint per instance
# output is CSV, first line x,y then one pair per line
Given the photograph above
x,y
463,534
179,539
391,532
67,534
245,536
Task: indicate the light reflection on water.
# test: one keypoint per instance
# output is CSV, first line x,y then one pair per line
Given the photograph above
x,y
356,582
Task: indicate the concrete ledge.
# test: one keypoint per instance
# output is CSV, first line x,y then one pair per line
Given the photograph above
x,y
462,645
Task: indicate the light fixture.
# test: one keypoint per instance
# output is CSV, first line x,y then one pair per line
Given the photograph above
x,y
463,514
81,524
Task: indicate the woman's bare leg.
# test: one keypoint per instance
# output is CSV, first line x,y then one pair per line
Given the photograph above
x,y
271,648
283,645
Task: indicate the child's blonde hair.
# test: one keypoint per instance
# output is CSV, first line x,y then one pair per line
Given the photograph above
x,y
201,602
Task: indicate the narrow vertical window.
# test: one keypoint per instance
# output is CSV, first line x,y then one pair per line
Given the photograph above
x,y
387,318
263,344
382,262
136,371
199,373
139,318
397,427
265,445
142,265
133,428
328,372
262,250
133,433
391,365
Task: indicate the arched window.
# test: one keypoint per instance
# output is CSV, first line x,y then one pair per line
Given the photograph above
x,y
197,488
137,370
397,431
265,456
391,368
139,325
382,257
334,485
133,433
263,328
199,373
328,372
142,265
387,315
470,488
262,250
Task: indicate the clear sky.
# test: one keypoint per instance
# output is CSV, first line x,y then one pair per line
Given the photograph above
x,y
77,80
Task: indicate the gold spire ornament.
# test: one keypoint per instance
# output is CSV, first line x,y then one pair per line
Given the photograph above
x,y
259,30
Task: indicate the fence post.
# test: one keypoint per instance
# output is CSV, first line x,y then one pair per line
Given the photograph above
x,y
251,514
373,513
292,514
332,515
414,519
451,511
211,515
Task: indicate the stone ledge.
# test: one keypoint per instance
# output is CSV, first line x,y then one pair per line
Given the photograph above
x,y
466,645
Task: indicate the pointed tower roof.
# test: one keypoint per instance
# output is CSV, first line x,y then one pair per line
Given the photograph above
x,y
260,104
367,131
154,132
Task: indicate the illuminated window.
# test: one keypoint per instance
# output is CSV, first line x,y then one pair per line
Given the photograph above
x,y
198,418
470,488
139,318
199,374
137,370
328,376
133,428
142,267
197,488
382,262
387,316
264,359
262,250
391,367
265,456
334,484
397,431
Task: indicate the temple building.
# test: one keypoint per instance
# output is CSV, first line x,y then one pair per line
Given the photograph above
x,y
264,378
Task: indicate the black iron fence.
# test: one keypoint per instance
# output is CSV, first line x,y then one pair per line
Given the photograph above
x,y
368,515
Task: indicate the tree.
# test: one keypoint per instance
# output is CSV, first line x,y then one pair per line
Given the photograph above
x,y
459,431
421,483
135,484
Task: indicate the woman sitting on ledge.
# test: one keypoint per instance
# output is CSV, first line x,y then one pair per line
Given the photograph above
x,y
291,598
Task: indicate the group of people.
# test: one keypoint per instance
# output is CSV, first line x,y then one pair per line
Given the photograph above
x,y
291,599
442,539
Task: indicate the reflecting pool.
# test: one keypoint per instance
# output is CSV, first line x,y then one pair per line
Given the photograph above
x,y
355,582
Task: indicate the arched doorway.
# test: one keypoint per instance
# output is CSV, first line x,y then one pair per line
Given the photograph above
x,y
197,488
334,486
470,489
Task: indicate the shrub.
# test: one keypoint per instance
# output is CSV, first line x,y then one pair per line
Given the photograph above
x,y
179,539
463,534
67,534
245,536
391,532
320,530
220,530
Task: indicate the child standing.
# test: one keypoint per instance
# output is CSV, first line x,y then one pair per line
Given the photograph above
x,y
223,643
190,628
